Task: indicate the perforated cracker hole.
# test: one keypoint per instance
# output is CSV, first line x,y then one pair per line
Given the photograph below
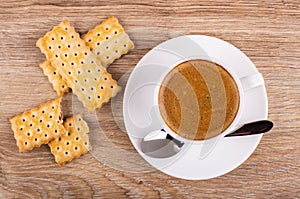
x,y
79,119
85,143
63,86
116,32
33,115
45,135
35,139
98,53
66,55
25,143
75,147
57,148
38,130
75,54
50,116
53,107
59,46
76,81
66,28
89,97
72,63
85,53
106,28
111,86
28,134
125,45
107,57
72,36
67,143
89,40
52,38
56,55
95,79
69,73
70,124
98,34
54,73
99,97
106,47
82,62
99,70
105,78
106,38
89,71
55,131
23,120
82,89
77,138
98,44
69,134
78,129
21,129
59,139
66,153
48,125
92,88
50,47
63,64
78,45
116,51
41,121
30,124
102,87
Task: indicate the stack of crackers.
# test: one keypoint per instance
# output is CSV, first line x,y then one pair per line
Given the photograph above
x,y
78,64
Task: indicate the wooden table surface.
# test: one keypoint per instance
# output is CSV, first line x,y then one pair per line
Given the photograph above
x,y
267,31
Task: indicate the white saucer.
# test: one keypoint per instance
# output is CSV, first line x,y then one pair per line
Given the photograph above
x,y
140,109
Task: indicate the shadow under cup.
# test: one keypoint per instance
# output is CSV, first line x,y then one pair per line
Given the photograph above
x,y
198,99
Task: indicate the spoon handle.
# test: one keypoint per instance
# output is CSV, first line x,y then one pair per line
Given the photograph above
x,y
253,128
177,142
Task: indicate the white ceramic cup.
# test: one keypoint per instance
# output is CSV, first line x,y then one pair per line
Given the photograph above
x,y
244,84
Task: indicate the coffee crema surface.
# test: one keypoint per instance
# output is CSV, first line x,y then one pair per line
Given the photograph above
x,y
198,99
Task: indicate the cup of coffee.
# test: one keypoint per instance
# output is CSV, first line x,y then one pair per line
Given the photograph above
x,y
201,99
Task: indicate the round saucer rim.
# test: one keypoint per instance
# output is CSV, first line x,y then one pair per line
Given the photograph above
x,y
257,140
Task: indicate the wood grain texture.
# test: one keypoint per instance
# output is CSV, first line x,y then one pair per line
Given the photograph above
x,y
267,31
